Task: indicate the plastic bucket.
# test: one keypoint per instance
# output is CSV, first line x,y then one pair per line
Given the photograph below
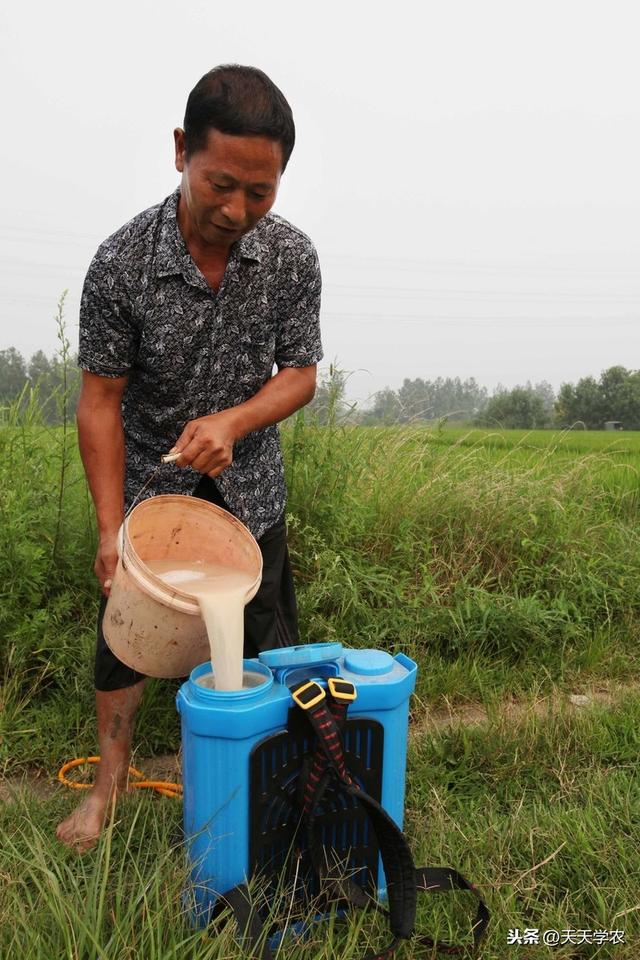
x,y
151,626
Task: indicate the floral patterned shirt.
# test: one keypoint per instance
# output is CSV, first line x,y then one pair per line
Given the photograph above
x,y
148,313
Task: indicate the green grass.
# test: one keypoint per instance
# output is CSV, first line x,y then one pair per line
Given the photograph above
x,y
543,813
502,560
507,564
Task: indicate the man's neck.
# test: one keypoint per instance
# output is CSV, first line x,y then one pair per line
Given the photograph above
x,y
202,253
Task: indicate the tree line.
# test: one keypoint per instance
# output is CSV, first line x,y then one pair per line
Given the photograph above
x,y
614,396
50,381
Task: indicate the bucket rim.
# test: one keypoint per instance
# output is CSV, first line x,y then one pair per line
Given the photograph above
x,y
153,585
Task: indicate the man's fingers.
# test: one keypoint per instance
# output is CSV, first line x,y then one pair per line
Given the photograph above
x,y
105,579
106,563
190,452
207,461
185,438
204,445
204,456
203,462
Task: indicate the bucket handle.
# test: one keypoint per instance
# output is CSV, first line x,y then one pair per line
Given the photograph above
x,y
164,459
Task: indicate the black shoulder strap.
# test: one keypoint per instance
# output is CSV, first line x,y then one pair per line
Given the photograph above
x,y
327,716
403,879
251,931
394,849
444,880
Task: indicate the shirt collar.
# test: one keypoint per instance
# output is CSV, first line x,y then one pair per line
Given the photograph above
x,y
249,246
171,254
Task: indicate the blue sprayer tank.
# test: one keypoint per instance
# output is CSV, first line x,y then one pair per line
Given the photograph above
x,y
242,752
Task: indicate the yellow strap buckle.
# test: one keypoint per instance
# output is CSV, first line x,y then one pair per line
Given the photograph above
x,y
307,695
341,689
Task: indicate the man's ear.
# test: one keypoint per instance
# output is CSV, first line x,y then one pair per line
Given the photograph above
x,y
178,139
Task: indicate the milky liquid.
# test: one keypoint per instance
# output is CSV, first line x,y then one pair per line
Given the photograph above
x,y
221,592
250,678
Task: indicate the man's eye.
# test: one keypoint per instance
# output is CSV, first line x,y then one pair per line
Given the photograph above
x,y
258,196
222,186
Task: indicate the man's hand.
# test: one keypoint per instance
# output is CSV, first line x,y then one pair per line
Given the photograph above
x,y
206,444
106,561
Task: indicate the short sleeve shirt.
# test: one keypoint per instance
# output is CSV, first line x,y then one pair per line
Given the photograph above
x,y
148,313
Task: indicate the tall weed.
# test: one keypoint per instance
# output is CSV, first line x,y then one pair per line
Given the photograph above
x,y
46,542
400,538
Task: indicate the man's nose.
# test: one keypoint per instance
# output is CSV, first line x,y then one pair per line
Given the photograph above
x,y
234,208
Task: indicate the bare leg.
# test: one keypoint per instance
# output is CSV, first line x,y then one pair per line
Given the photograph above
x,y
115,710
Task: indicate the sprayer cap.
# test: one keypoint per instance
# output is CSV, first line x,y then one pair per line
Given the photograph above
x,y
369,663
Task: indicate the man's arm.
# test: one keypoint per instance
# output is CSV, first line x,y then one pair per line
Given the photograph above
x,y
206,444
101,442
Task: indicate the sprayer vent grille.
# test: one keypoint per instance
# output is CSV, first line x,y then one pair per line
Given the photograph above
x,y
343,829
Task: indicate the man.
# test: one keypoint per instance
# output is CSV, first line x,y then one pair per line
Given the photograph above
x,y
185,310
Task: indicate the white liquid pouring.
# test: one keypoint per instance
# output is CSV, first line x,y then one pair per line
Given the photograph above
x,y
221,593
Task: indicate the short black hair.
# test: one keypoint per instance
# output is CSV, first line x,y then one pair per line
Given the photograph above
x,y
238,100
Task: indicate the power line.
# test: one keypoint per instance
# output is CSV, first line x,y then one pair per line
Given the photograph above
x,y
473,266
470,318
473,295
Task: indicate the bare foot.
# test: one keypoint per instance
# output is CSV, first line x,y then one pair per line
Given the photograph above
x,y
81,830
115,712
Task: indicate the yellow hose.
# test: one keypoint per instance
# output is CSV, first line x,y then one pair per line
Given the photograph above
x,y
163,787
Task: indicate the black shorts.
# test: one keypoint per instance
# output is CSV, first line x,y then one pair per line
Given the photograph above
x,y
270,619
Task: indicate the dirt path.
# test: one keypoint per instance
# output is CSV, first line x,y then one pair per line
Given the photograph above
x,y
601,694
42,785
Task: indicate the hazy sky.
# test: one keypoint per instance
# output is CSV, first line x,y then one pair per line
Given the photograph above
x,y
469,171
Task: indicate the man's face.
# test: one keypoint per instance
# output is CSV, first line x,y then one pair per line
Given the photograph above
x,y
227,186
